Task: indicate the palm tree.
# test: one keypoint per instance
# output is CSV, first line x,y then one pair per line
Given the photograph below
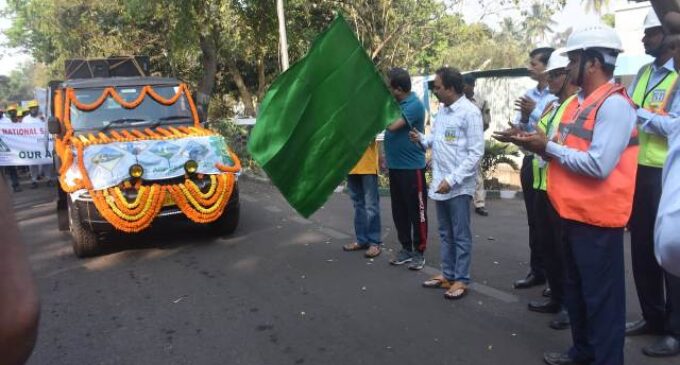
x,y
596,5
539,23
509,30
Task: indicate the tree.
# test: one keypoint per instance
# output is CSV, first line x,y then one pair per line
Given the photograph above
x,y
609,19
538,23
21,82
596,5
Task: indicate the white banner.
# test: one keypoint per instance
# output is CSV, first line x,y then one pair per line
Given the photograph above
x,y
24,144
109,164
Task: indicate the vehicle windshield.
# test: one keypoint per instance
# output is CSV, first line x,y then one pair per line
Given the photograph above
x,y
111,115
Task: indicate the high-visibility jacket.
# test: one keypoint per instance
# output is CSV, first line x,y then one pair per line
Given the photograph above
x,y
548,124
653,148
598,202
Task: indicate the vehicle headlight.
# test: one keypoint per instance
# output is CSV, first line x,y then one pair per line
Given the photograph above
x,y
136,171
191,166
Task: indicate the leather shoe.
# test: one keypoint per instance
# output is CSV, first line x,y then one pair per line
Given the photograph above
x,y
665,347
640,327
529,281
561,321
544,306
558,358
547,292
482,211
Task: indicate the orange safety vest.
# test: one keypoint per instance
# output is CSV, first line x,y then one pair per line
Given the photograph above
x,y
598,202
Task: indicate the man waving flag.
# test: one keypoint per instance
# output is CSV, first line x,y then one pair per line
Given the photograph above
x,y
319,116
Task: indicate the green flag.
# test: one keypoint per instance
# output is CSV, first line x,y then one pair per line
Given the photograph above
x,y
318,118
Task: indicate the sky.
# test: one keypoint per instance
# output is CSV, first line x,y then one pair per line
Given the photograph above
x,y
573,11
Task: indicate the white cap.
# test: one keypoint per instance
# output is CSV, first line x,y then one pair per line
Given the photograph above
x,y
651,20
593,36
557,60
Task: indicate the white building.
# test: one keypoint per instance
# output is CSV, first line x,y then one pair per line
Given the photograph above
x,y
629,18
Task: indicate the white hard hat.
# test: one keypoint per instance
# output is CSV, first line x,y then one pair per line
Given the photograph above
x,y
593,36
651,20
557,60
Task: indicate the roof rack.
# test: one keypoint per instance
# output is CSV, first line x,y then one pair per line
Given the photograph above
x,y
117,66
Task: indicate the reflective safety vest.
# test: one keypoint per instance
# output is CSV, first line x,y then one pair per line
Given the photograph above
x,y
653,148
598,202
547,124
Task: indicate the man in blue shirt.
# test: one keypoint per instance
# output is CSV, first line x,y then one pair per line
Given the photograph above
x,y
406,163
531,106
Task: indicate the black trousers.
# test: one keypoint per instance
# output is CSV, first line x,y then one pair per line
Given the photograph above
x,y
527,180
658,291
409,208
548,237
594,292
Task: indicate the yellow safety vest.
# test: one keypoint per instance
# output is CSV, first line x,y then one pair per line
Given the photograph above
x,y
653,148
547,124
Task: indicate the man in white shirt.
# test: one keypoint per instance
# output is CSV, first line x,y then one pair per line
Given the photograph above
x,y
3,118
34,117
457,142
479,199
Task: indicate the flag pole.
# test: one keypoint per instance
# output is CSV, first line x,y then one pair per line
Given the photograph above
x,y
283,41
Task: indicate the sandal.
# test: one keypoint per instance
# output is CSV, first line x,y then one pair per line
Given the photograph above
x,y
373,251
437,282
456,291
354,247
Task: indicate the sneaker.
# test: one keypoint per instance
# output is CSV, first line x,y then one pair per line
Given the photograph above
x,y
34,185
402,257
482,211
17,189
418,261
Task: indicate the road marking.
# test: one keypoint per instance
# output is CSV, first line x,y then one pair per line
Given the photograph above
x,y
480,288
333,233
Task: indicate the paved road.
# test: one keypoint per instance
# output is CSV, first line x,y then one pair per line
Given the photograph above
x,y
281,291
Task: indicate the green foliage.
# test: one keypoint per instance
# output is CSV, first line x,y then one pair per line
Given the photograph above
x,y
609,19
229,48
496,153
596,5
237,139
19,85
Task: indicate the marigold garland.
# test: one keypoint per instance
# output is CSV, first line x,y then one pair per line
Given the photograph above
x,y
231,169
125,222
138,214
192,207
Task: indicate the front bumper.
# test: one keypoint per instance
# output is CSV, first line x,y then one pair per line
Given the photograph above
x,y
169,214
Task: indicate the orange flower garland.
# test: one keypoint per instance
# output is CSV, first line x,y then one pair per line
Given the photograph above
x,y
232,169
136,215
151,205
192,207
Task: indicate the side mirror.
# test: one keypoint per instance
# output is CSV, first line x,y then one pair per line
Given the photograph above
x,y
53,125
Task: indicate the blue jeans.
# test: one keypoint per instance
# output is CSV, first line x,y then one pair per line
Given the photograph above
x,y
363,189
456,238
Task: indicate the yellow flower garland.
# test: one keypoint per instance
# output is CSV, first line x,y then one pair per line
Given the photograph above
x,y
139,214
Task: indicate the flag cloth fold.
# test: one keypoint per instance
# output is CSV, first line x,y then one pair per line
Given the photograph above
x,y
319,116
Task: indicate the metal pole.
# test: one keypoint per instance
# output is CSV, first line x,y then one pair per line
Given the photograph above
x,y
283,41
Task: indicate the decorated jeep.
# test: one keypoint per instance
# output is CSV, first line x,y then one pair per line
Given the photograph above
x,y
131,153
